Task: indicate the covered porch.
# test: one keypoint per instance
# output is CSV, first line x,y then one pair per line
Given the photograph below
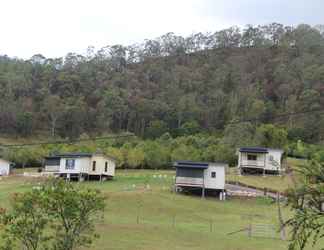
x,y
252,159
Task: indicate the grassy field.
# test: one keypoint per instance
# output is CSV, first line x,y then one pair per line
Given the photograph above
x,y
280,183
143,214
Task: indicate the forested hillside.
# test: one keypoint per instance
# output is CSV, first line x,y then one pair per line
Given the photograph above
x,y
180,85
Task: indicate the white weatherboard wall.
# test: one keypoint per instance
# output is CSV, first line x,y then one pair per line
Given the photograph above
x,y
214,183
85,165
111,167
273,161
100,165
268,161
81,165
4,167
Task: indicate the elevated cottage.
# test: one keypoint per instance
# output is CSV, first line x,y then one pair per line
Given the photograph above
x,y
81,166
260,160
5,167
204,176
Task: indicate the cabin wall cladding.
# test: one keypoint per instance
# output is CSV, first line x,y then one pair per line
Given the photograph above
x,y
81,166
4,167
260,160
204,176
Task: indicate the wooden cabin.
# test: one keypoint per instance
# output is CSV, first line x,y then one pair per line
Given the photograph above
x,y
81,166
202,176
260,160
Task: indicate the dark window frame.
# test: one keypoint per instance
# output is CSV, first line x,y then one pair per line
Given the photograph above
x,y
251,157
94,163
70,164
213,174
106,166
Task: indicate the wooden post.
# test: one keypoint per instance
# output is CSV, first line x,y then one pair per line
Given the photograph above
x,y
203,187
203,192
138,211
250,230
173,221
281,221
264,165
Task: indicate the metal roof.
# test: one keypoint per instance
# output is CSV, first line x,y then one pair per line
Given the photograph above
x,y
77,155
196,165
74,155
52,157
253,150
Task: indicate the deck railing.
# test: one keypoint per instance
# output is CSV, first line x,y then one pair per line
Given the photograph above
x,y
189,181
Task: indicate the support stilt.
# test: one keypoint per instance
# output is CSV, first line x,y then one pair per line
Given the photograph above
x,y
203,193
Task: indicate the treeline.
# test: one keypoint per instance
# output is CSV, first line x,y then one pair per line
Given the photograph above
x,y
134,152
180,85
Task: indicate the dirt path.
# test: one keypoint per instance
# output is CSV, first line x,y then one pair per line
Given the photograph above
x,y
247,191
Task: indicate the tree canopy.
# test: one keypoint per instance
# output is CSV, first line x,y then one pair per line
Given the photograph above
x,y
182,85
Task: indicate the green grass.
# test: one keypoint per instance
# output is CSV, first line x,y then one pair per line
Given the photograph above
x,y
280,183
167,220
157,208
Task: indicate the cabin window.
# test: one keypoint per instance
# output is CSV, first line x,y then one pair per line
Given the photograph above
x,y
69,163
271,158
213,174
52,162
251,157
106,166
94,165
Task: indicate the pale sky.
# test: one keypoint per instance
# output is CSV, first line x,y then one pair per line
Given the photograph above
x,y
54,28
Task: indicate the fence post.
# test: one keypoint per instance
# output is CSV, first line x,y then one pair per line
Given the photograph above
x,y
138,213
281,220
250,230
173,221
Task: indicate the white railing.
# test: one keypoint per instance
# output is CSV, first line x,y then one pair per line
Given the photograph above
x,y
52,168
188,181
252,163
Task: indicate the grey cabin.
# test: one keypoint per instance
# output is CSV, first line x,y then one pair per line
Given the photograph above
x,y
201,176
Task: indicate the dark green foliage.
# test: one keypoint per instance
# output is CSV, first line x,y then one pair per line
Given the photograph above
x,y
55,215
160,152
181,85
307,203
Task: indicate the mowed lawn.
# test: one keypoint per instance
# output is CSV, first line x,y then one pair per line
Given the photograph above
x,y
142,213
279,183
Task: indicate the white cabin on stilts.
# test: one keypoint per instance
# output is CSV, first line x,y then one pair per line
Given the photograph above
x,y
201,176
81,166
260,160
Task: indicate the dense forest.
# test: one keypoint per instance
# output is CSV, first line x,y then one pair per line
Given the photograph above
x,y
182,86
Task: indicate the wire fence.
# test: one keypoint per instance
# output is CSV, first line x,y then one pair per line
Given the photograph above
x,y
255,229
250,225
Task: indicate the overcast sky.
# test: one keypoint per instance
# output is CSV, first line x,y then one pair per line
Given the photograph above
x,y
56,27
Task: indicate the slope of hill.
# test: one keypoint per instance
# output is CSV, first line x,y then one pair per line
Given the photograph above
x,y
172,83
